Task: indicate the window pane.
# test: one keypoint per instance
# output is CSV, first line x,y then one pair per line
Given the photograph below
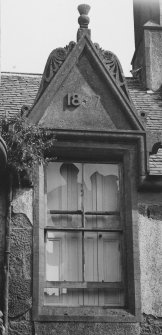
x,y
63,296
111,297
63,263
64,256
103,297
102,257
64,186
83,297
101,187
102,221
64,221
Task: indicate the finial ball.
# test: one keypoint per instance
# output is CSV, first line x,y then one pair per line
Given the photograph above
x,y
84,9
83,21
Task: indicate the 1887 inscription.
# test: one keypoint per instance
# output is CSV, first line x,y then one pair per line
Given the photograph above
x,y
75,100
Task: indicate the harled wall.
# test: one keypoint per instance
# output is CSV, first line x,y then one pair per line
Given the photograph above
x,y
20,289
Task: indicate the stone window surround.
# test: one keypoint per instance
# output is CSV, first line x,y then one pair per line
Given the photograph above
x,y
124,152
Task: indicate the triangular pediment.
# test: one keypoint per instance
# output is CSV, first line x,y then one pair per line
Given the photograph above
x,y
87,92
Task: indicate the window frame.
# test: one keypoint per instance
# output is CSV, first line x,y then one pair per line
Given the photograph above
x,y
126,154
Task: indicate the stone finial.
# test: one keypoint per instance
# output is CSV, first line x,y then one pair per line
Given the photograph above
x,y
83,20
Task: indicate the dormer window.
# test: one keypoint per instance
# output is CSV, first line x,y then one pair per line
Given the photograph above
x,y
86,259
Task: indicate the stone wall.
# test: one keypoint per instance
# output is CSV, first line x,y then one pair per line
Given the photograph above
x,y
86,328
20,283
2,242
150,241
151,325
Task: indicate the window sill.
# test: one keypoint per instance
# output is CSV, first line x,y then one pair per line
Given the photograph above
x,y
85,314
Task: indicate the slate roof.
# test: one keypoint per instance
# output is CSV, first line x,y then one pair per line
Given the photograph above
x,y
18,89
147,102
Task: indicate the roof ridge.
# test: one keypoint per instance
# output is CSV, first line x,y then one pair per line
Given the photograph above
x,y
25,74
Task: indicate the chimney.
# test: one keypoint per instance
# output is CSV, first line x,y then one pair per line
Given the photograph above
x,y
147,59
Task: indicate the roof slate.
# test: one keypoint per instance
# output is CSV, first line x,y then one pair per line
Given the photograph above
x,y
147,102
18,89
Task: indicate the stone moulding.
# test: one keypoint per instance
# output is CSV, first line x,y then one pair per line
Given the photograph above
x,y
151,183
114,67
86,47
137,138
59,55
54,62
146,182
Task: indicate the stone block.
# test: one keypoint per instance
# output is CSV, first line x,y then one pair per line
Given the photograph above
x,y
71,328
20,328
23,203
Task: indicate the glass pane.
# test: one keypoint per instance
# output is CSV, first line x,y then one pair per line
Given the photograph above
x,y
102,221
64,221
111,297
103,297
64,186
63,296
64,256
102,257
101,187
83,297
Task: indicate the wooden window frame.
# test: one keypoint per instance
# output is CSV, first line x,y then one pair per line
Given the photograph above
x,y
126,154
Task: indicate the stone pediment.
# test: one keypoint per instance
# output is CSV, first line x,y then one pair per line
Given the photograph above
x,y
83,87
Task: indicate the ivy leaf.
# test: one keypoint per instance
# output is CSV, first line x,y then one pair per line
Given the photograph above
x,y
26,142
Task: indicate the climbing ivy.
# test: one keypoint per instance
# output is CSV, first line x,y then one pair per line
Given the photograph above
x,y
27,144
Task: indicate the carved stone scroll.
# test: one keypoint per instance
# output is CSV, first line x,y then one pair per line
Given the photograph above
x,y
114,67
54,62
58,56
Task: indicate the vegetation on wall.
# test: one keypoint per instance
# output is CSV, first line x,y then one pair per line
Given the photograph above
x,y
26,143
